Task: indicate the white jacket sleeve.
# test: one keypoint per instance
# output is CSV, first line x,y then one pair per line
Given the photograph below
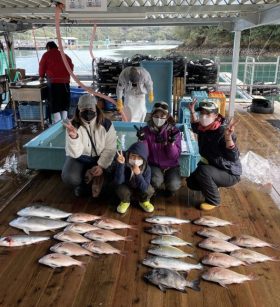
x,y
148,82
121,84
108,153
74,147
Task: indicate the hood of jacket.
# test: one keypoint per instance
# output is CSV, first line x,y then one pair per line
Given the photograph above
x,y
139,148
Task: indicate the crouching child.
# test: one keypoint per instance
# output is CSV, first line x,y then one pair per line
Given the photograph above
x,y
133,176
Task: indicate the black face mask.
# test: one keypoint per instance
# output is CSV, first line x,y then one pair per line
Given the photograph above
x,y
88,115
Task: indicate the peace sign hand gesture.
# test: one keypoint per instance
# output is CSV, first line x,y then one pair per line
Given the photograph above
x,y
191,105
71,130
120,158
231,127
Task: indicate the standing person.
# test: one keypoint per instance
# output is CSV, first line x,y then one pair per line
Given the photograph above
x,y
90,147
134,83
220,164
58,78
133,176
164,143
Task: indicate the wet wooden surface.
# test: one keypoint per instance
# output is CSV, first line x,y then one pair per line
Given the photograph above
x,y
118,281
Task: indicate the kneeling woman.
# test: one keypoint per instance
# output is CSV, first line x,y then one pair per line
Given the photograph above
x,y
90,147
164,143
219,165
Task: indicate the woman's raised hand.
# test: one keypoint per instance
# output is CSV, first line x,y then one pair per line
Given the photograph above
x,y
71,130
120,158
231,127
191,105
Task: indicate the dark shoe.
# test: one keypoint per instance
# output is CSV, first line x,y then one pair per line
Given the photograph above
x,y
169,193
81,191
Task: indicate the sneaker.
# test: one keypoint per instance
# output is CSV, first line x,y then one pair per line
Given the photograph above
x,y
207,207
122,207
147,206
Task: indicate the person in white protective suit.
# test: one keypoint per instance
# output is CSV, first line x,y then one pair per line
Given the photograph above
x,y
134,83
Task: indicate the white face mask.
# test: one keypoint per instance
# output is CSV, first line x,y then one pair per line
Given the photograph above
x,y
159,122
137,162
205,120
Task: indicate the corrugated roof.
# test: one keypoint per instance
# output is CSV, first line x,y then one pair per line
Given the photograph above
x,y
233,14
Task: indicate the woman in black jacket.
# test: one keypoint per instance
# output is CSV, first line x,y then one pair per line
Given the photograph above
x,y
220,164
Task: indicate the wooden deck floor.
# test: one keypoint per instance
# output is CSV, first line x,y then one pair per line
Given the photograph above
x,y
118,281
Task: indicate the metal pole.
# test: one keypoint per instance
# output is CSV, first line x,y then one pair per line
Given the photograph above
x,y
235,61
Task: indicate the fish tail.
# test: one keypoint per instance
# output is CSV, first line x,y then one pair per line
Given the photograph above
x,y
128,238
275,246
123,254
194,284
133,227
275,258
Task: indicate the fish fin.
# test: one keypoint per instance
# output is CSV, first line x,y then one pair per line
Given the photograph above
x,y
162,288
26,231
128,238
223,285
192,255
195,285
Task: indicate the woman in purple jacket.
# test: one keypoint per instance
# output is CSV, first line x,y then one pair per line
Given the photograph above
x,y
164,143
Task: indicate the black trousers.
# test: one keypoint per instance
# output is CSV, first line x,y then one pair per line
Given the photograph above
x,y
207,179
124,192
59,97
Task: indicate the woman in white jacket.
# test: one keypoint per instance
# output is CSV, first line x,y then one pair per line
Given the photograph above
x,y
90,147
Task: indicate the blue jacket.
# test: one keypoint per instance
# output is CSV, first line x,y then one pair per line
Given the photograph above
x,y
123,172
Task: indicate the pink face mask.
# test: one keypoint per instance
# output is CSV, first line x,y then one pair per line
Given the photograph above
x,y
206,120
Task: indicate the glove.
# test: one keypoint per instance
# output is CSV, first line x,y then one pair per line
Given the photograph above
x,y
151,97
140,133
119,105
172,136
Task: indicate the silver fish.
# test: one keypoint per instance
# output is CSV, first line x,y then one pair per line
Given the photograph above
x,y
20,240
226,277
217,245
211,221
81,217
171,263
105,235
249,241
221,260
169,252
80,227
169,240
56,260
70,236
33,223
99,247
70,249
212,233
168,279
250,256
165,220
106,223
43,211
161,230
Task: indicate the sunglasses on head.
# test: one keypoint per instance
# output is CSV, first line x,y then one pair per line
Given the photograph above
x,y
161,105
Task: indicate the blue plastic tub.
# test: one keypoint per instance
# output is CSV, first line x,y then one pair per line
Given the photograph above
x,y
7,120
75,94
46,151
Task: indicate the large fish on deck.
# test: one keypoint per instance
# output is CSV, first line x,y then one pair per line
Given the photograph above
x,y
105,235
161,230
20,240
221,260
168,279
217,245
171,263
250,256
70,236
165,220
56,260
43,211
81,217
99,247
212,233
168,240
106,223
34,223
211,221
249,241
70,249
169,252
226,277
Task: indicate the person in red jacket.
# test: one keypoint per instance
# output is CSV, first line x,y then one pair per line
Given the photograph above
x,y
52,67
